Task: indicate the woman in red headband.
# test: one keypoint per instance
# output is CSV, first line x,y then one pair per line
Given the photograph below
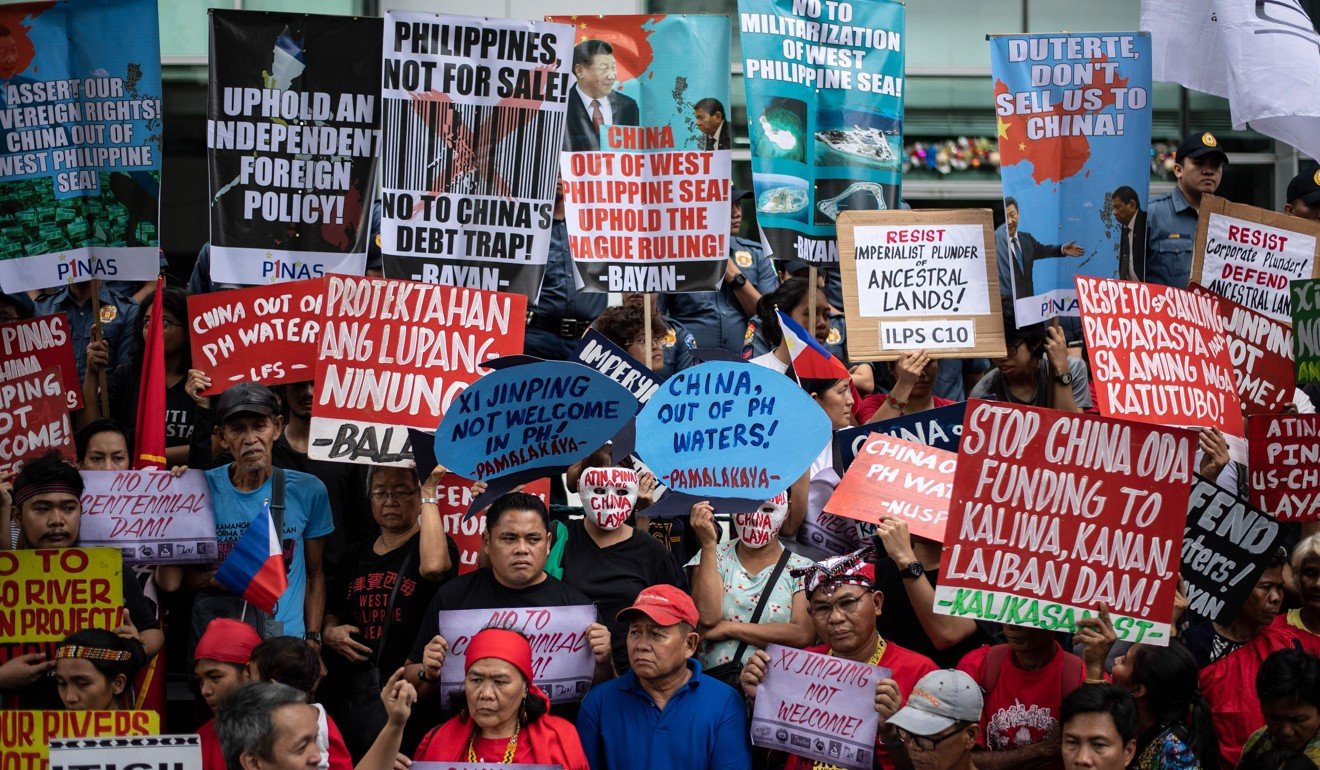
x,y
504,716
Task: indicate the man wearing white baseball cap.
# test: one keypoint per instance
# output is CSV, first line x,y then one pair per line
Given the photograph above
x,y
938,726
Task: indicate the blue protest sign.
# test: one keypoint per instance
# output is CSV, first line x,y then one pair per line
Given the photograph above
x,y
730,430
549,414
940,428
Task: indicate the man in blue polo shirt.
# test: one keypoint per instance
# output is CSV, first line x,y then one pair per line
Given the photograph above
x,y
663,713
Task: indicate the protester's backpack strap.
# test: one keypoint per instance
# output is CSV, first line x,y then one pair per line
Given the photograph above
x,y
994,662
764,600
277,500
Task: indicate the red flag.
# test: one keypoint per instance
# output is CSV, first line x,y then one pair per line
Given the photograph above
x,y
150,433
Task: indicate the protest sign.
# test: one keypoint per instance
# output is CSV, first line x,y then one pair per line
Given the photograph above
x,y
920,280
1260,349
49,593
1306,329
480,766
1224,550
282,320
1160,355
1074,122
36,344
818,706
614,362
151,516
824,114
545,415
730,431
898,479
1250,255
394,355
562,661
292,135
647,160
176,752
1285,465
940,428
472,119
80,143
34,418
26,736
455,495
1053,512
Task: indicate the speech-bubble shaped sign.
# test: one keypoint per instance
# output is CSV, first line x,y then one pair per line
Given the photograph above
x,y
548,414
730,430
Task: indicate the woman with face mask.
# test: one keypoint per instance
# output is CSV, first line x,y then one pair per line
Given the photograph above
x,y
745,593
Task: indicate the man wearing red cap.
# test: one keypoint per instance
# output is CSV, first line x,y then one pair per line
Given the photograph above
x,y
663,713
221,666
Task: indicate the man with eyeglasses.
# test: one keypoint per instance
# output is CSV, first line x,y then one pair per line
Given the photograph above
x,y
939,724
844,605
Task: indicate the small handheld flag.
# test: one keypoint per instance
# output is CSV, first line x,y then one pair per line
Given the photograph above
x,y
255,568
811,361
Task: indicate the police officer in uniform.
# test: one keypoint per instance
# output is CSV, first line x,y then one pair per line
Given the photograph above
x,y
718,319
562,314
1171,219
116,321
1304,196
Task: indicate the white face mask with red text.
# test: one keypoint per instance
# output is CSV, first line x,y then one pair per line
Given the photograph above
x,y
608,495
758,529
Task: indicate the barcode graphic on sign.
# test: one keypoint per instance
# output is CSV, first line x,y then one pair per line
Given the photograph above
x,y
469,149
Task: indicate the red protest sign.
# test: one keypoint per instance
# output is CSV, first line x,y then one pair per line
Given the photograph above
x,y
1285,465
394,354
281,321
1054,512
1159,355
893,478
1261,351
455,495
39,343
34,418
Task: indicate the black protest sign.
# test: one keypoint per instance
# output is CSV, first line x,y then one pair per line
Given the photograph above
x,y
1225,549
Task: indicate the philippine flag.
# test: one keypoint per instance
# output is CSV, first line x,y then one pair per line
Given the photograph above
x,y
255,568
811,361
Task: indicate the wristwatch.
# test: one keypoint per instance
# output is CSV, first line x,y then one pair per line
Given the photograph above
x,y
912,571
313,636
1063,379
739,281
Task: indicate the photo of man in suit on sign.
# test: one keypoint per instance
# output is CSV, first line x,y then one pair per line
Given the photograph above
x,y
592,101
1018,252
1132,235
715,132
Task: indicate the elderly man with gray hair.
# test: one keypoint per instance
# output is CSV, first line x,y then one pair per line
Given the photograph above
x,y
268,726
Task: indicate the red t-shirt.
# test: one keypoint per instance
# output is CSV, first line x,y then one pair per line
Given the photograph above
x,y
906,668
1024,705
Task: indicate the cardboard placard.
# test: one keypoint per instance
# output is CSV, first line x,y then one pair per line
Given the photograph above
x,y
1285,465
176,752
1306,329
1225,549
940,427
920,280
34,418
1250,255
48,593
39,343
280,320
1160,355
893,478
1261,352
394,355
455,495
562,661
150,516
1053,512
818,706
26,736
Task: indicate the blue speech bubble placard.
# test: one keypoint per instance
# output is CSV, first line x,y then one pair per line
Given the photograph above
x,y
725,430
547,414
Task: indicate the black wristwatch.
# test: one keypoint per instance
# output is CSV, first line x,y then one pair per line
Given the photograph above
x,y
912,571
313,636
739,281
1064,379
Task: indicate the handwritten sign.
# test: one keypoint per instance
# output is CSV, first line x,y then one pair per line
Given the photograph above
x,y
27,347
151,516
818,706
1250,255
182,752
455,495
394,355
1053,512
34,418
730,430
1306,329
940,428
562,661
614,362
1160,356
1285,466
48,593
25,736
281,320
920,280
1224,550
893,478
1261,352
